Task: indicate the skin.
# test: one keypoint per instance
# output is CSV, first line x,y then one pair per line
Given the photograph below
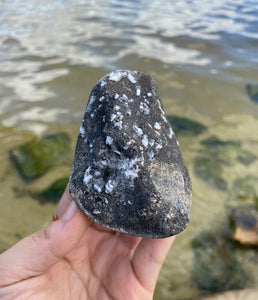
x,y
74,258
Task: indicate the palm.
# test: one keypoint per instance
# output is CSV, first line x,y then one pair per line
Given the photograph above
x,y
77,259
104,270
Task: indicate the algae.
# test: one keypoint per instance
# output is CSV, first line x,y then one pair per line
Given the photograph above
x,y
252,91
207,168
186,126
52,193
217,154
244,192
36,157
216,267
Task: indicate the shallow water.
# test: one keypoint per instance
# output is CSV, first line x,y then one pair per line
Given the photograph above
x,y
201,54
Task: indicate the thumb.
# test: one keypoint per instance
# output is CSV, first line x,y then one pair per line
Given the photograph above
x,y
38,252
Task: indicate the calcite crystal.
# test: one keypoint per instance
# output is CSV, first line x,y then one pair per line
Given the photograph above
x,y
128,173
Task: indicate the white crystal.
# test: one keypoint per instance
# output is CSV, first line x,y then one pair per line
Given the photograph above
x,y
116,76
157,126
87,176
131,78
145,141
109,140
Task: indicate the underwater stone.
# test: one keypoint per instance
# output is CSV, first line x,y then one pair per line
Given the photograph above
x,y
216,266
227,152
244,223
128,173
252,91
186,126
244,193
36,157
52,193
208,168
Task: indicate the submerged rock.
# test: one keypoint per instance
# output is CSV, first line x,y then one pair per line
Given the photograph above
x,y
244,193
128,173
227,152
245,226
52,193
252,91
242,204
186,126
216,154
207,168
216,266
36,157
247,293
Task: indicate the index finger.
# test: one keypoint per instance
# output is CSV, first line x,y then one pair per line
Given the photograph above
x,y
148,259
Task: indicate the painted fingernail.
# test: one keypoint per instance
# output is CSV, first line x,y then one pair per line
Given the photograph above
x,y
71,210
55,217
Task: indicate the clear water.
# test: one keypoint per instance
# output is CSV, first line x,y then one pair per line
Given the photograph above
x,y
201,53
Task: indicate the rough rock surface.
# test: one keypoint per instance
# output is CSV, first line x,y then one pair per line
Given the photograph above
x,y
128,173
245,226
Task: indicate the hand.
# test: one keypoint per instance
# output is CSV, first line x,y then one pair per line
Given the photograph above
x,y
74,258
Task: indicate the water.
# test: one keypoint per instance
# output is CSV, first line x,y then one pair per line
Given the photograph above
x,y
201,53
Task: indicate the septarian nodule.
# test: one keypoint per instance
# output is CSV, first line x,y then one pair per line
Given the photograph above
x,y
128,173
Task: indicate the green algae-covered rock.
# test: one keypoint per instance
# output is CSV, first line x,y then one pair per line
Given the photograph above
x,y
227,152
36,157
216,267
252,91
242,205
216,142
244,193
215,155
186,126
54,192
207,168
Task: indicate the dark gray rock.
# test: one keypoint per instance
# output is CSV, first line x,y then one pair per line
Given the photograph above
x,y
128,173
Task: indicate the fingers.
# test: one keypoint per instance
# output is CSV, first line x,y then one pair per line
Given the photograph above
x,y
38,252
148,259
63,203
130,241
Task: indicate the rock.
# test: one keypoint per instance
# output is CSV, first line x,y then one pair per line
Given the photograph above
x,y
208,169
252,91
128,173
186,126
246,157
247,294
213,141
242,205
36,157
245,226
227,152
216,154
244,193
216,267
53,193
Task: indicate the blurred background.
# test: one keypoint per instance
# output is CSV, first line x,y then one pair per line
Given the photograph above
x,y
203,56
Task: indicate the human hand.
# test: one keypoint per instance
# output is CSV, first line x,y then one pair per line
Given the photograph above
x,y
75,258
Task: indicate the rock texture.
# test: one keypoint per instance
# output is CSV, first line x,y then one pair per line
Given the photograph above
x,y
245,226
36,157
128,173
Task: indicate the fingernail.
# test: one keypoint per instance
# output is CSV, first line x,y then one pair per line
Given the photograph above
x,y
71,210
55,217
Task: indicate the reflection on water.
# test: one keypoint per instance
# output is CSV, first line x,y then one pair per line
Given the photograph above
x,y
203,55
